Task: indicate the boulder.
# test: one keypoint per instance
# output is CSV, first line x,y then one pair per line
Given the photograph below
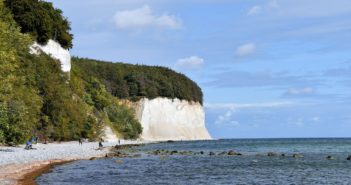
x,y
174,152
297,156
329,157
272,154
212,153
231,152
348,158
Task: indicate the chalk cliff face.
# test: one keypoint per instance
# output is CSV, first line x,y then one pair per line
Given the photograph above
x,y
167,119
54,50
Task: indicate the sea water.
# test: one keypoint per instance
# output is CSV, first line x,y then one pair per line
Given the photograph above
x,y
253,167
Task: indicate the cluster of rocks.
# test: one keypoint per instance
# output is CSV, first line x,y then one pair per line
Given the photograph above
x,y
120,151
229,153
118,154
127,146
175,152
272,154
328,157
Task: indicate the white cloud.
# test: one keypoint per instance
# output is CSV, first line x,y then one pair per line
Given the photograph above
x,y
226,119
246,49
144,17
235,106
192,63
254,10
300,91
257,9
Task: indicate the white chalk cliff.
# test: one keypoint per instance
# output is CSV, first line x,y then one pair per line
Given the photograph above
x,y
167,119
54,50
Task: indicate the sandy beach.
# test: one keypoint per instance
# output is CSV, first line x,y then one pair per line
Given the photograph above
x,y
20,166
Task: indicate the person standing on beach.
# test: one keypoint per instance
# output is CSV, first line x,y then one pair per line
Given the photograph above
x,y
28,145
80,141
119,142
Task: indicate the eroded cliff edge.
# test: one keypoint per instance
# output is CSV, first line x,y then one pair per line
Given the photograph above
x,y
171,119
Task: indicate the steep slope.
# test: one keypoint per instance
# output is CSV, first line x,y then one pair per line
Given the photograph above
x,y
167,119
55,51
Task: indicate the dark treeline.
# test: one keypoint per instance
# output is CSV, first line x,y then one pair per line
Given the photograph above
x,y
41,20
132,82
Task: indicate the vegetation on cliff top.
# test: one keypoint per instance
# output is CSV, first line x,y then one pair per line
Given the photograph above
x,y
133,82
41,20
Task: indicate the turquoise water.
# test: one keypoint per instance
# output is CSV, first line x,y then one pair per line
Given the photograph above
x,y
253,167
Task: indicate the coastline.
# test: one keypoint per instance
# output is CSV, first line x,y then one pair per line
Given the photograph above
x,y
26,174
14,171
29,177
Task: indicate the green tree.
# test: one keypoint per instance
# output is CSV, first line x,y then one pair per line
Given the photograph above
x,y
41,20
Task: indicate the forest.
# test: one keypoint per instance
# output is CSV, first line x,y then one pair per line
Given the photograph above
x,y
41,20
133,82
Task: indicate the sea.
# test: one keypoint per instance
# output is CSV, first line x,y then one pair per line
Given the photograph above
x,y
254,166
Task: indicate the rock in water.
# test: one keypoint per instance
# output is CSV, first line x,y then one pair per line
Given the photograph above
x,y
231,152
174,152
271,154
329,157
297,156
349,158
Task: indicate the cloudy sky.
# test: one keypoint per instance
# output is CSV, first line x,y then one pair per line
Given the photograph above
x,y
268,68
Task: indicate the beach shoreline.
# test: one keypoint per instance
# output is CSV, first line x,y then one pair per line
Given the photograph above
x,y
26,174
22,167
29,177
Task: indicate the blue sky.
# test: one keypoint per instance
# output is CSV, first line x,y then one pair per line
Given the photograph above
x,y
268,68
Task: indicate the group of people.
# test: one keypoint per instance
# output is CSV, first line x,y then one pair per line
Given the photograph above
x,y
35,139
80,141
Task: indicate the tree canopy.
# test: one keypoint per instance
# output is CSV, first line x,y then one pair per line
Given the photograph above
x,y
41,20
133,82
